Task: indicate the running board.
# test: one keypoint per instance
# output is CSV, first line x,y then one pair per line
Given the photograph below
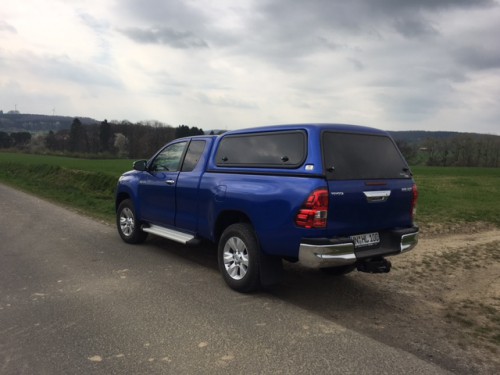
x,y
170,234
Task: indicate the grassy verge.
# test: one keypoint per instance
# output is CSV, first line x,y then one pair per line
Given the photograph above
x,y
88,192
85,185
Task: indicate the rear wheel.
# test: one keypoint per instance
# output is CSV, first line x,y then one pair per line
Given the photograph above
x,y
238,257
127,224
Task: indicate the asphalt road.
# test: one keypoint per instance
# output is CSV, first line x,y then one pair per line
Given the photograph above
x,y
75,299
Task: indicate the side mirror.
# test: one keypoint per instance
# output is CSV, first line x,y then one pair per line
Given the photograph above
x,y
140,165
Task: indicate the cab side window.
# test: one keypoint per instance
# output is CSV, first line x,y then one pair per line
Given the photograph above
x,y
193,154
169,159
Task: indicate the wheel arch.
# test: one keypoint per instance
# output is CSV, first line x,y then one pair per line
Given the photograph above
x,y
120,197
227,218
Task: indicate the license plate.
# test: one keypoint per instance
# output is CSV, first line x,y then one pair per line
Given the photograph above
x,y
367,239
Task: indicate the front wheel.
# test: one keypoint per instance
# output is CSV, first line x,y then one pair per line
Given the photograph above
x,y
238,257
127,224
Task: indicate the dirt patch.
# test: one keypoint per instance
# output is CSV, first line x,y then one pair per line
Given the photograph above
x,y
453,282
441,301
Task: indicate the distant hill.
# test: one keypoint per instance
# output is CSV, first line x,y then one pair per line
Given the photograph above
x,y
33,123
17,122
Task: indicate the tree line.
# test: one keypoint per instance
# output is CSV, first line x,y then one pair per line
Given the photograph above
x,y
141,140
105,139
462,150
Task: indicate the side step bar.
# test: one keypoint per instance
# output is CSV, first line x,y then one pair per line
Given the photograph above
x,y
171,234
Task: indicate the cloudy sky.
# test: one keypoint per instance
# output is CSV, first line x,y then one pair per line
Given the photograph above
x,y
228,64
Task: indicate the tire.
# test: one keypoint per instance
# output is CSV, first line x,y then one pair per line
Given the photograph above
x,y
126,222
339,271
238,257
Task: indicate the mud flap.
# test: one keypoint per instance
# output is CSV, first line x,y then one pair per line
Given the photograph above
x,y
271,269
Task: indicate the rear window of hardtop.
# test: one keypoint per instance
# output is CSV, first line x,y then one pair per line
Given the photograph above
x,y
356,156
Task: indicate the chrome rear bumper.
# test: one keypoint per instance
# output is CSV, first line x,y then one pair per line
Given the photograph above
x,y
320,253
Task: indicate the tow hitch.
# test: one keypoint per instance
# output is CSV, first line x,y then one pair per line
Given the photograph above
x,y
380,265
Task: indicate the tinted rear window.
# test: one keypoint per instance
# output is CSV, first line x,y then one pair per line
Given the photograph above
x,y
274,150
362,156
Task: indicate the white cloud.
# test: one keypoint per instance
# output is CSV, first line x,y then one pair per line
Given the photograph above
x,y
392,64
6,27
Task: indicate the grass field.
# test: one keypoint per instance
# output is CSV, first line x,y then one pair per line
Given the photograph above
x,y
450,195
113,167
447,195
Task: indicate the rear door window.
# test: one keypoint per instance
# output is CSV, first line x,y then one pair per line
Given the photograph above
x,y
362,156
273,150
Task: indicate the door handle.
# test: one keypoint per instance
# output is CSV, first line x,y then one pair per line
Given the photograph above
x,y
377,196
170,182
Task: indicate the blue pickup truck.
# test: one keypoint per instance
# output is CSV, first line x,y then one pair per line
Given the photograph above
x,y
331,196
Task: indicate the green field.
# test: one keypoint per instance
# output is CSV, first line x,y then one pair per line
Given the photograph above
x,y
463,194
447,195
113,167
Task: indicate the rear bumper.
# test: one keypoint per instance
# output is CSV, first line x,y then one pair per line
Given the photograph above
x,y
332,252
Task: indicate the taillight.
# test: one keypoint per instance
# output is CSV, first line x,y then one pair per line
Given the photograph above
x,y
314,211
414,202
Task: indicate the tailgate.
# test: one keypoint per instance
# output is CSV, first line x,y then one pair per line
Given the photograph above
x,y
369,182
358,207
